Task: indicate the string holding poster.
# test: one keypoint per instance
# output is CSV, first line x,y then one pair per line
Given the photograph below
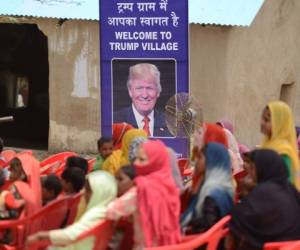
x,y
144,62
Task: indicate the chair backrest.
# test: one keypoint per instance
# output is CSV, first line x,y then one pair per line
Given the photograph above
x,y
292,246
281,245
182,164
102,233
8,155
27,151
73,203
240,175
49,217
60,170
57,157
211,238
91,163
50,168
54,214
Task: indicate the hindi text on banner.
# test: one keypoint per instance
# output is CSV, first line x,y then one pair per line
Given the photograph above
x,y
152,21
122,7
122,21
145,6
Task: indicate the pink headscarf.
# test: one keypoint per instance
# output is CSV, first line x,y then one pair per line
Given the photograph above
x,y
243,149
226,124
30,191
32,205
158,197
31,167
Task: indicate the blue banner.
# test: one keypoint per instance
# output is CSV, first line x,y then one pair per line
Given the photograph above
x,y
144,62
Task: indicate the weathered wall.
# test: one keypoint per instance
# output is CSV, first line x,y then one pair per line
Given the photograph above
x,y
74,84
236,71
74,87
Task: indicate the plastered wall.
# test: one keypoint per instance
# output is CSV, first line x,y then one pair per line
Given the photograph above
x,y
234,72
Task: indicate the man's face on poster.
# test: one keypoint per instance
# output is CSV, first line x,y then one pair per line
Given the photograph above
x,y
144,93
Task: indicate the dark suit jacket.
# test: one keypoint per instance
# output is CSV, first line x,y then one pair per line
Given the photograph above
x,y
127,115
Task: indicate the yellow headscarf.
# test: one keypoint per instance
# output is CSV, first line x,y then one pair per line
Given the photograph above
x,y
119,157
283,139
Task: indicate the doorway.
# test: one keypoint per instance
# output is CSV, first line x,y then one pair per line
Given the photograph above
x,y
24,86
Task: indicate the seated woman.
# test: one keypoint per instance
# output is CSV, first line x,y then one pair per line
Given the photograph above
x,y
214,197
133,151
122,238
119,129
271,211
99,191
26,189
278,128
9,206
153,201
121,157
26,184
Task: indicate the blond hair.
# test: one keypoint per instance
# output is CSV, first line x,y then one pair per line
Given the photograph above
x,y
144,71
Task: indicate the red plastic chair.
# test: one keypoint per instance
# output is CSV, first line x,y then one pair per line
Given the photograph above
x,y
50,168
54,162
292,246
60,170
240,175
57,157
73,204
25,152
102,232
281,245
8,155
91,163
183,164
211,238
49,217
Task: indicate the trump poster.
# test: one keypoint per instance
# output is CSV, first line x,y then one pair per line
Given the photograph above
x,y
144,62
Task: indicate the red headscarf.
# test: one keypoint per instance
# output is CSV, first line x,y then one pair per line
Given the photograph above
x,y
31,167
30,191
158,197
212,133
119,129
32,205
215,133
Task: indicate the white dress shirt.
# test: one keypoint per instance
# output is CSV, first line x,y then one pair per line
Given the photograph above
x,y
139,119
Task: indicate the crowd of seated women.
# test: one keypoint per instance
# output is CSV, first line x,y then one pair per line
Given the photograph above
x,y
135,182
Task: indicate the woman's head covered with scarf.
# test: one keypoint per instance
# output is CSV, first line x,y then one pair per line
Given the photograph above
x,y
263,215
100,190
209,132
120,157
217,182
278,126
158,196
129,137
119,129
268,166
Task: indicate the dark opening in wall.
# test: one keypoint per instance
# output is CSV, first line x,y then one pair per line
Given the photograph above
x,y
24,85
287,92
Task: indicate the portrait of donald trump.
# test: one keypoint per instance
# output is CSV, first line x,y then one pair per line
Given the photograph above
x,y
144,89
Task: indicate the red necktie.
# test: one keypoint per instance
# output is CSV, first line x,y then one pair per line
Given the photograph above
x,y
146,128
